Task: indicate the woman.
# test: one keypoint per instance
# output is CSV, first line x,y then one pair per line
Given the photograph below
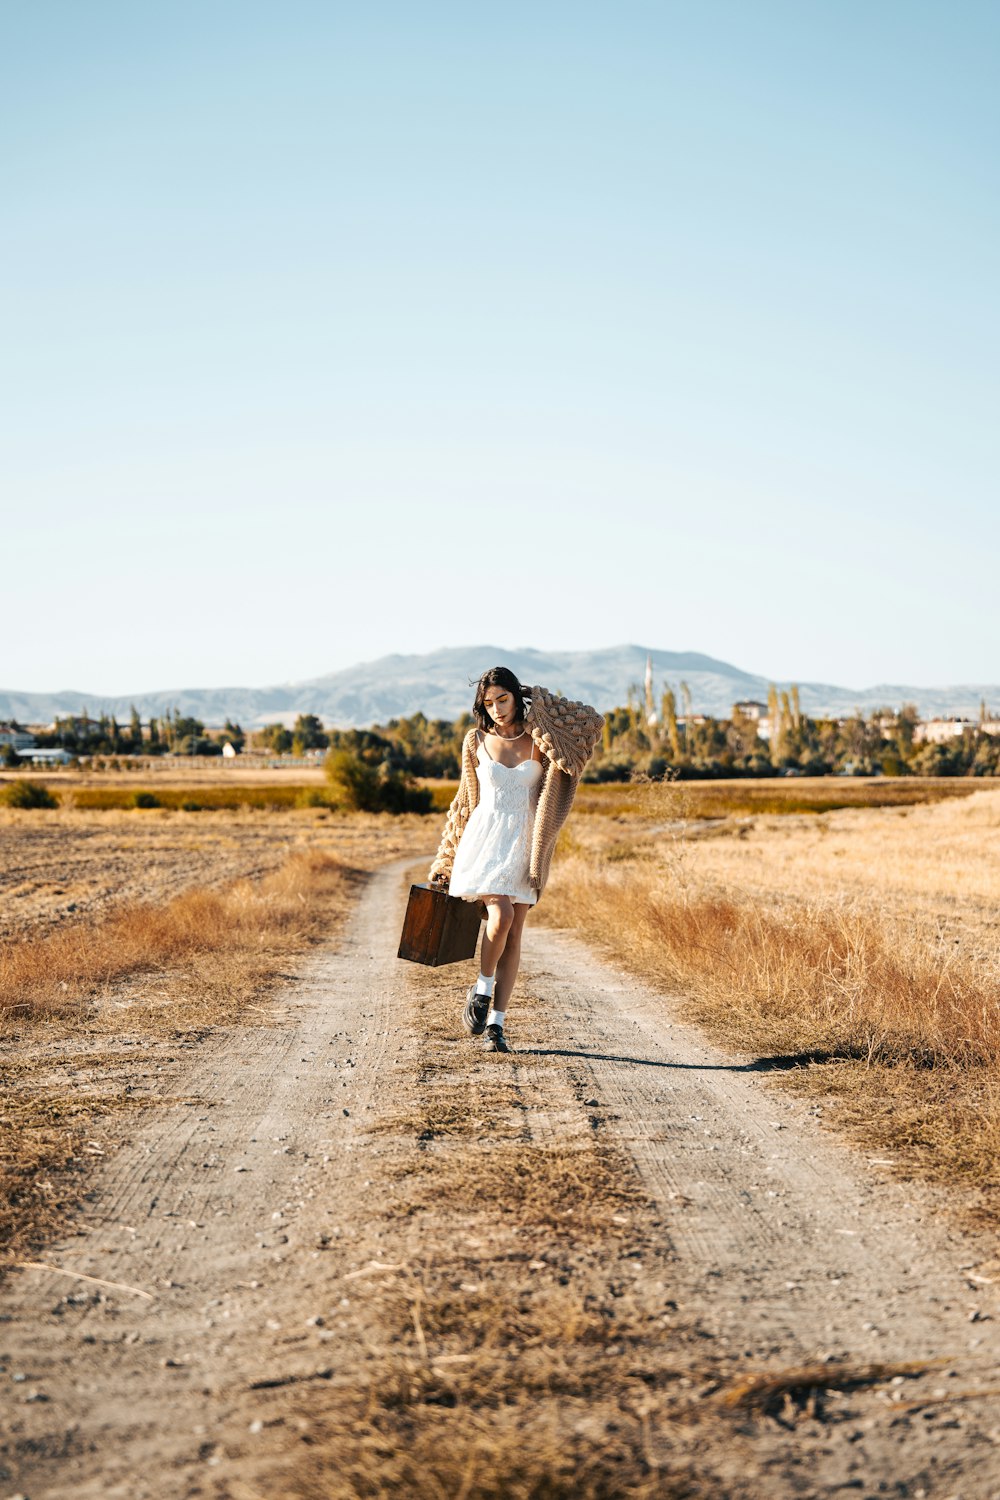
x,y
521,764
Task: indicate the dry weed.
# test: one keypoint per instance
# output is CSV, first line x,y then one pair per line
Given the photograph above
x,y
196,930
772,1389
47,1137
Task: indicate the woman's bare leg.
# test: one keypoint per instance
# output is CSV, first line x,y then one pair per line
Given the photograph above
x,y
499,919
510,960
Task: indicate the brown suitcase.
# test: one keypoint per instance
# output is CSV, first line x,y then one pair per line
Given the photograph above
x,y
438,928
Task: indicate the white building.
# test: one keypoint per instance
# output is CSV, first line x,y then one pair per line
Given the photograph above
x,y
750,709
45,757
937,731
20,739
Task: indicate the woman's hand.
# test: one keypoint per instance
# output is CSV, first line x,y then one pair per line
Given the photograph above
x,y
439,881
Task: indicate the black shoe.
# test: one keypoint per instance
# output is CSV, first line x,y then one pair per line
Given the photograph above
x,y
477,1008
495,1040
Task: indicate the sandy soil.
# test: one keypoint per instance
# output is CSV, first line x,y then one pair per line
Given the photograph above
x,y
250,1234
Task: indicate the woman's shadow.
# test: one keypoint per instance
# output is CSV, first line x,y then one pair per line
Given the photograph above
x,y
780,1063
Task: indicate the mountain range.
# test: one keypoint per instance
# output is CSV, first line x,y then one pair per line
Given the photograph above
x,y
439,683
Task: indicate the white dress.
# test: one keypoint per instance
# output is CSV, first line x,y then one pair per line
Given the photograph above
x,y
494,852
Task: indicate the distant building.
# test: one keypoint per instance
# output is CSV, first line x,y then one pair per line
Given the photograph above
x,y
46,757
937,731
229,751
750,709
18,739
80,724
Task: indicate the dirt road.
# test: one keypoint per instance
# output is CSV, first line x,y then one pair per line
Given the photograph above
x,y
284,1240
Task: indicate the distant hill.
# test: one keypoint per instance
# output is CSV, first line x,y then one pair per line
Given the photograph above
x,y
438,684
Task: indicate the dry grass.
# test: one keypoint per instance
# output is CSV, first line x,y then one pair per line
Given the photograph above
x,y
232,941
46,1137
809,978
565,1191
828,945
446,1112
802,1384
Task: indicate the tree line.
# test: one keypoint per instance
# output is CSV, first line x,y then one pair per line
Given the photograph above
x,y
639,738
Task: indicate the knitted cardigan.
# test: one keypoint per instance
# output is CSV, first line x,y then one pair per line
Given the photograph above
x,y
565,733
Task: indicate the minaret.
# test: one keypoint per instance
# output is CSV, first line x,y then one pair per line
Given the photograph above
x,y
651,715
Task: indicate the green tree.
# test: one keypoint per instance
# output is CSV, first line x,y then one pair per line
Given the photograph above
x,y
309,733
669,717
276,738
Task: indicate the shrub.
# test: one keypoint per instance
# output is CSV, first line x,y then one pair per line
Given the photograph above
x,y
23,793
362,787
145,799
354,784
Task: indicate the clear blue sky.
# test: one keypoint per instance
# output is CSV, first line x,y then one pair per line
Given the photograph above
x,y
332,330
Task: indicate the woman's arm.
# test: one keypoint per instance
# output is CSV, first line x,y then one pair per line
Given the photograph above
x,y
454,827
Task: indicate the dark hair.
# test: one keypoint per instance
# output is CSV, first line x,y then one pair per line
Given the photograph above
x,y
501,677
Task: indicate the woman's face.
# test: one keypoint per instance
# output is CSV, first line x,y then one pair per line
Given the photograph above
x,y
499,704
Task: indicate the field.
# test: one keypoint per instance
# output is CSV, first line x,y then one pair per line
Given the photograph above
x,y
861,944
589,1274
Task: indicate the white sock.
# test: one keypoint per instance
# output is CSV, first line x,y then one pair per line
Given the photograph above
x,y
495,1017
484,985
